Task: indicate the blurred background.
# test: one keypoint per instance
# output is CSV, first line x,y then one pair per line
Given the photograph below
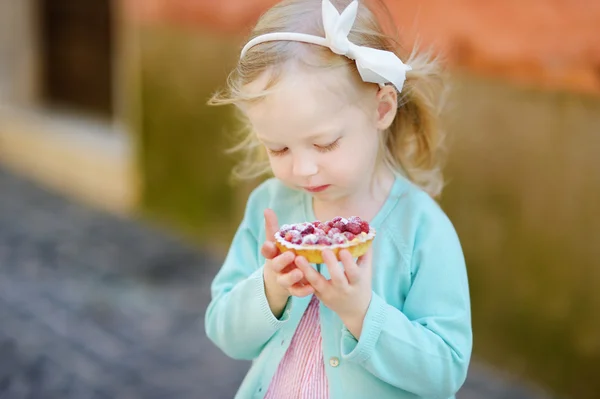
x,y
116,209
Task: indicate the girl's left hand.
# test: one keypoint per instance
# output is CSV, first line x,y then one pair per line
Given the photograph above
x,y
349,291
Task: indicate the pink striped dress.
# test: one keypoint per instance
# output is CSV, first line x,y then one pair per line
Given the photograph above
x,y
301,373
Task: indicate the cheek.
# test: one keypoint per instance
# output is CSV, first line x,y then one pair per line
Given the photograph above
x,y
280,166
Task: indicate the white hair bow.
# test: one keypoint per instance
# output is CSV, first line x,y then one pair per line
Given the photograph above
x,y
374,65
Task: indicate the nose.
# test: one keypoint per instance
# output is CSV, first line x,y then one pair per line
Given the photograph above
x,y
304,165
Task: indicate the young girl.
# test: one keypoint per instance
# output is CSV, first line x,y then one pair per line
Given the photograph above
x,y
347,129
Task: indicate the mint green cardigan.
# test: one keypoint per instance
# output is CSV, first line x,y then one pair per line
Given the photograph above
x,y
416,339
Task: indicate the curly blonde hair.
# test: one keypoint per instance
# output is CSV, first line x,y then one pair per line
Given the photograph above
x,y
411,145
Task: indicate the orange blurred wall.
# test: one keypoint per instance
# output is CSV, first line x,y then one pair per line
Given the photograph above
x,y
549,43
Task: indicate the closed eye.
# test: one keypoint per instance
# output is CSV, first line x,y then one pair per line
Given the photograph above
x,y
277,152
328,147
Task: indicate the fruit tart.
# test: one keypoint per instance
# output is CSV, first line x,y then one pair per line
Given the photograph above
x,y
308,239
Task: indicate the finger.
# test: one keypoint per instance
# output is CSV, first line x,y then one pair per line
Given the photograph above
x,y
335,271
301,290
314,278
287,280
365,261
289,268
281,261
351,269
271,224
269,250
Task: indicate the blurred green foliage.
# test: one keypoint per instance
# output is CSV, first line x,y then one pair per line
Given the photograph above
x,y
523,192
185,172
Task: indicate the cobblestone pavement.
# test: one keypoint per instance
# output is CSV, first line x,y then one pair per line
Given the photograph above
x,y
95,306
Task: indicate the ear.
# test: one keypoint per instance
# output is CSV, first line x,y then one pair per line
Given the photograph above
x,y
387,106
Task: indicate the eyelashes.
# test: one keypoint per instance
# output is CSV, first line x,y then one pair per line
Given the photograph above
x,y
326,148
329,147
277,153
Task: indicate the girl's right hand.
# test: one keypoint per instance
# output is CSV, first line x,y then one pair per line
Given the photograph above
x,y
281,275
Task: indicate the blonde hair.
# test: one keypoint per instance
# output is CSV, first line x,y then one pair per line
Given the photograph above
x,y
411,145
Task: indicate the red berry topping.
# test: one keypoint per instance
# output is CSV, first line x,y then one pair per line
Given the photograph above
x,y
333,231
324,241
338,239
336,219
339,225
310,229
316,223
364,226
326,228
285,228
291,235
353,228
349,236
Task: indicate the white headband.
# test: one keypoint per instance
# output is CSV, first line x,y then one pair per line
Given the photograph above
x,y
374,66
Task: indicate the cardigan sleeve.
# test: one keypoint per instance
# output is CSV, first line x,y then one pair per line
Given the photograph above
x,y
425,347
238,319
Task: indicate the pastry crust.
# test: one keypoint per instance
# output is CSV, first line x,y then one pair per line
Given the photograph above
x,y
357,246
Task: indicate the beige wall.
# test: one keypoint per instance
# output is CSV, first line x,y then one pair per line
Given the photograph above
x,y
18,52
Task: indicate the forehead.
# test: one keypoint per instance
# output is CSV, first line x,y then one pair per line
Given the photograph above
x,y
303,102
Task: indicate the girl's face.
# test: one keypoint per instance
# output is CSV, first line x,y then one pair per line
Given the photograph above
x,y
321,133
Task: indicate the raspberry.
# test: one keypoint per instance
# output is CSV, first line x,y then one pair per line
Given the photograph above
x,y
333,231
285,228
310,239
364,226
290,235
339,225
353,228
354,219
297,240
319,232
336,219
349,236
338,239
326,228
316,223
324,241
308,230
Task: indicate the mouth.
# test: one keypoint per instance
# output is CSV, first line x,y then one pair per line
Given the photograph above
x,y
317,189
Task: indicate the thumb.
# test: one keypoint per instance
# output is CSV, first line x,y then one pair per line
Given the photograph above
x,y
269,250
271,224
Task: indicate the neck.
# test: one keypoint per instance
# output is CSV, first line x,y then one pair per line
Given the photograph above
x,y
365,202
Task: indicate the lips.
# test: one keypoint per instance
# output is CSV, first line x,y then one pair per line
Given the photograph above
x,y
316,189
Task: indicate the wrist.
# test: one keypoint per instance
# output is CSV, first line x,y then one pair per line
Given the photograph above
x,y
354,319
276,298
